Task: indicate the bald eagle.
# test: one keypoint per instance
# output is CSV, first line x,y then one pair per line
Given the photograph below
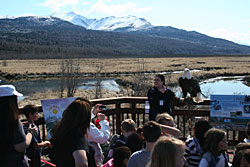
x,y
190,85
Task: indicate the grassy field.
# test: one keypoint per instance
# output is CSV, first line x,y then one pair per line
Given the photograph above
x,y
224,64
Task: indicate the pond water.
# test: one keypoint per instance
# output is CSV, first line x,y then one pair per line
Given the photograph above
x,y
219,85
225,86
28,87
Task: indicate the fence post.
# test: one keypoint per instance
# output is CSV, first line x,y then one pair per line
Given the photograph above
x,y
133,114
118,117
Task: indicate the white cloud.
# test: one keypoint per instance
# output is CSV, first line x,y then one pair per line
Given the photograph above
x,y
241,38
76,10
143,10
85,3
102,7
116,9
56,5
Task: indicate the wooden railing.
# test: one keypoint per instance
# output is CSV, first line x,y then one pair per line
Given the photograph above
x,y
122,108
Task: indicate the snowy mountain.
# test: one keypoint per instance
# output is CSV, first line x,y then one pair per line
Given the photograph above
x,y
7,17
74,19
112,23
130,23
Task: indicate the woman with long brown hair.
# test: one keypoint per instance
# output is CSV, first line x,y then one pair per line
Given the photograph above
x,y
70,146
12,139
214,149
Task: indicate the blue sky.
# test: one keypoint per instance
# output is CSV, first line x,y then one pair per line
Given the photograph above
x,y
228,19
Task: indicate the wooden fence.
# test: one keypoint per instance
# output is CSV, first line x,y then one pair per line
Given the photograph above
x,y
121,108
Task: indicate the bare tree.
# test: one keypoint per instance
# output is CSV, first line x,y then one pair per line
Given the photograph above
x,y
70,71
140,80
98,86
62,70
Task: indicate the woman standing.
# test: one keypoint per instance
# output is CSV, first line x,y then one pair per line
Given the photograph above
x,y
160,98
12,139
70,146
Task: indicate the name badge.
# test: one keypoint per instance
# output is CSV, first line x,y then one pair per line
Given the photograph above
x,y
147,107
161,102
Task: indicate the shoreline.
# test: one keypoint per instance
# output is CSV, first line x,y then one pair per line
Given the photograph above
x,y
18,76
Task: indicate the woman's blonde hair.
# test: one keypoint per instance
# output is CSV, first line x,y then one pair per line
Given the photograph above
x,y
164,118
165,152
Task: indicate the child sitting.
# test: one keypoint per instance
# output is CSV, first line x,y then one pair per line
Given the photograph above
x,y
242,158
34,150
165,119
167,152
128,127
134,142
214,149
193,151
120,157
151,131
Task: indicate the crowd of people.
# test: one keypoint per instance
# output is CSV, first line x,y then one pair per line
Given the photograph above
x,y
76,141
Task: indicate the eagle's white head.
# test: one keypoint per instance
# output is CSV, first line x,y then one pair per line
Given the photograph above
x,y
186,74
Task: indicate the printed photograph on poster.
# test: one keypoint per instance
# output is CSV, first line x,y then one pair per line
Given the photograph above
x,y
246,108
247,99
53,109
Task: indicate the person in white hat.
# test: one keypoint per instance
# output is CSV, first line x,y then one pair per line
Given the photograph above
x,y
12,139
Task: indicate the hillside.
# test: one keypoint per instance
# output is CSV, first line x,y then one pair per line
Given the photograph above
x,y
50,37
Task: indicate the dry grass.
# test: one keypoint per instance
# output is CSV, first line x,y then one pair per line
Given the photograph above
x,y
232,64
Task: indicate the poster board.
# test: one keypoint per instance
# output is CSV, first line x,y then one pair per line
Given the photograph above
x,y
52,111
230,112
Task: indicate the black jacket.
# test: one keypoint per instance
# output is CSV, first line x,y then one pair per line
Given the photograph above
x,y
161,102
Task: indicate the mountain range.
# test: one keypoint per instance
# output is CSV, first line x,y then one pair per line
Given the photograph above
x,y
70,35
